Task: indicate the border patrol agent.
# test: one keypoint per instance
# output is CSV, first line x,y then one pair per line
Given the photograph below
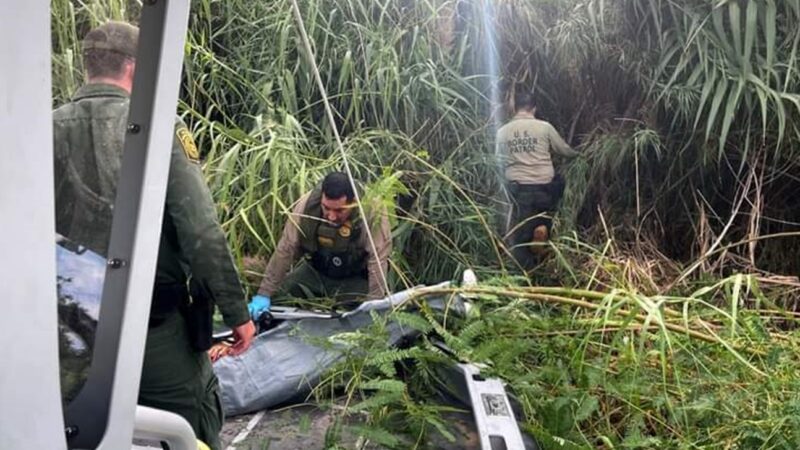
x,y
193,254
524,145
338,261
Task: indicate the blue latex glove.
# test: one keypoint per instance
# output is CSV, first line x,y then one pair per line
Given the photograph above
x,y
258,305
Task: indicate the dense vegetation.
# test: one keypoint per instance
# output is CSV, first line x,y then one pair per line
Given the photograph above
x,y
670,323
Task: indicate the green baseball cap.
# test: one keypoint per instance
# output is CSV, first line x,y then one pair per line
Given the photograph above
x,y
120,37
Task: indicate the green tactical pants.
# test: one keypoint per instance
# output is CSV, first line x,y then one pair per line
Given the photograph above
x,y
307,282
178,379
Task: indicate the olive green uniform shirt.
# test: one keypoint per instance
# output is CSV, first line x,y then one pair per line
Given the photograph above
x,y
523,150
88,141
288,251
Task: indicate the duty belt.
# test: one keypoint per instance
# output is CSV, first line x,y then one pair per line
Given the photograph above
x,y
166,300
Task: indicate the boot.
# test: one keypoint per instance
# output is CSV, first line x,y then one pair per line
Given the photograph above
x,y
540,237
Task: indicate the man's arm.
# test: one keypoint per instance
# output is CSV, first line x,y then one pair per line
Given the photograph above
x,y
200,237
286,253
378,261
558,145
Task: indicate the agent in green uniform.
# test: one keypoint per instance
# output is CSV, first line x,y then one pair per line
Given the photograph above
x,y
338,261
524,146
88,141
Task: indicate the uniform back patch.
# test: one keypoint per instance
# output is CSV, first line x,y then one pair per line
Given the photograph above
x,y
187,144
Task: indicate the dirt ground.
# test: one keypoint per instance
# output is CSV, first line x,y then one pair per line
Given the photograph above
x,y
292,428
304,427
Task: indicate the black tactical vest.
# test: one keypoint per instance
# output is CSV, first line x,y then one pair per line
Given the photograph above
x,y
332,250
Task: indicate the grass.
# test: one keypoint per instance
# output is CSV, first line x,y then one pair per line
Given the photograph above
x,y
657,322
595,368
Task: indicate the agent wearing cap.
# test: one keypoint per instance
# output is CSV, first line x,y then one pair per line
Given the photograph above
x,y
338,261
89,132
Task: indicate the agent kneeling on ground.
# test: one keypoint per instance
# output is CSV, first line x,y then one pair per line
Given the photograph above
x,y
524,146
325,228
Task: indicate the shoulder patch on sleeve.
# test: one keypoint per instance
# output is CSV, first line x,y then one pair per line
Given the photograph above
x,y
187,144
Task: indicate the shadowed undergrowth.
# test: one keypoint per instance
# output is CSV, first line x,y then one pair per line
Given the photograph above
x,y
658,320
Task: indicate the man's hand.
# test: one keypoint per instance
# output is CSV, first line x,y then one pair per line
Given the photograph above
x,y
258,305
219,350
242,337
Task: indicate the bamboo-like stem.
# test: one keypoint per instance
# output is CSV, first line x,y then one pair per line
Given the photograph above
x,y
550,297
